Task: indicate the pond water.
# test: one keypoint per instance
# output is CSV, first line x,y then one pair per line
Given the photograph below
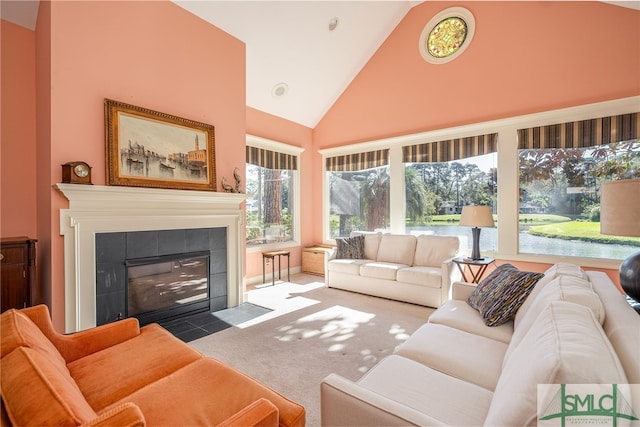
x,y
535,244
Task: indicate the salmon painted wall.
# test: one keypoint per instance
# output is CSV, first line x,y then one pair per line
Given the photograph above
x,y
525,57
18,132
277,129
150,54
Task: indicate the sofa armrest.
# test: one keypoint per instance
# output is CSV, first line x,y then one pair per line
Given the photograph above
x,y
462,290
77,345
260,413
126,415
344,402
330,254
450,274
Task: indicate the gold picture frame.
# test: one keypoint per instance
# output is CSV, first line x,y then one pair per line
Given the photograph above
x,y
146,148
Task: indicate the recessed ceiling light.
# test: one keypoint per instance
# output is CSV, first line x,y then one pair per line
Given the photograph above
x,y
333,23
279,90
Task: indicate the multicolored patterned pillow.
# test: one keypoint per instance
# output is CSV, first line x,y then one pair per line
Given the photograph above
x,y
350,247
499,296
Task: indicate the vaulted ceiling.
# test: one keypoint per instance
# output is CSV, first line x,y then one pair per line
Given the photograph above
x,y
297,65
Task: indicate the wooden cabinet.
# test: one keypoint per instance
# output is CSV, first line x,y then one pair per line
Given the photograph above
x,y
313,259
17,272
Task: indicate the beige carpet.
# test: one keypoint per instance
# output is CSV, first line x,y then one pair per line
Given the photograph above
x,y
312,332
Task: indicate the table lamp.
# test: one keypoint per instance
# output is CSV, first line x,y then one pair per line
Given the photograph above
x,y
476,217
620,216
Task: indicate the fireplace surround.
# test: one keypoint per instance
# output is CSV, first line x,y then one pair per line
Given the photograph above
x,y
95,209
160,275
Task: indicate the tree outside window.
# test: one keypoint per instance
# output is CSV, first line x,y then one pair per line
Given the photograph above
x,y
270,181
435,193
359,201
560,199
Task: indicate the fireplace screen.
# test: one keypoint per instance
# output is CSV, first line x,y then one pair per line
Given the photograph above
x,y
167,282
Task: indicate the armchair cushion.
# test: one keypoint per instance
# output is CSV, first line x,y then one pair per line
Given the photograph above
x,y
19,331
499,296
37,392
130,368
220,391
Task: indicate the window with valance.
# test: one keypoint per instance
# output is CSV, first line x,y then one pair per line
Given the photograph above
x,y
561,168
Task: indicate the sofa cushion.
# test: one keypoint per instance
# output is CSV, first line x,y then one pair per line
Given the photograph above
x,y
130,365
556,270
502,292
381,270
446,350
371,242
349,266
397,248
432,251
36,392
20,331
460,315
562,288
430,277
428,391
350,247
565,345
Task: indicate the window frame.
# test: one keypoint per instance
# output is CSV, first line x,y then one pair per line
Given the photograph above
x,y
507,164
267,144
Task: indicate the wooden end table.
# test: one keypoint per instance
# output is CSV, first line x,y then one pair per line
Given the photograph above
x,y
272,255
481,264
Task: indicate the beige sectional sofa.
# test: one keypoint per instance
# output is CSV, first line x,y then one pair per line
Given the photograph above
x,y
575,327
403,267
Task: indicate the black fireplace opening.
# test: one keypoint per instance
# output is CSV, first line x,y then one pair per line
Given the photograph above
x,y
189,267
165,287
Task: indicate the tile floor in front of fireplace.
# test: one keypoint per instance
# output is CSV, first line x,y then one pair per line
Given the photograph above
x,y
202,324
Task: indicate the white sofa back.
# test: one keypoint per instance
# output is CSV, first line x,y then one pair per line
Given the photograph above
x,y
432,251
397,248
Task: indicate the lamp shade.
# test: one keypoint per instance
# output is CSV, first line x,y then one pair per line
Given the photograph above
x,y
477,216
620,208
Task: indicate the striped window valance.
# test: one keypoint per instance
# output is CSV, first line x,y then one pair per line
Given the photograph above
x,y
452,149
271,159
581,134
358,161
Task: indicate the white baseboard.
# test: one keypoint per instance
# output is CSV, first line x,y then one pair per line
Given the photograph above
x,y
267,277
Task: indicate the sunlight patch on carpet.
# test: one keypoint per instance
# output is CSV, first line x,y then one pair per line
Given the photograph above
x,y
335,324
281,299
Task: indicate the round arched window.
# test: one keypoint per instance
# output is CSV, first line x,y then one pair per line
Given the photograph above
x,y
447,35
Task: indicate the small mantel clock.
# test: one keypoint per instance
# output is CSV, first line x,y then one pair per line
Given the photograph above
x,y
76,173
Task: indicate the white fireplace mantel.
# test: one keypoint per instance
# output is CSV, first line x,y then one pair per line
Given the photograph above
x,y
102,209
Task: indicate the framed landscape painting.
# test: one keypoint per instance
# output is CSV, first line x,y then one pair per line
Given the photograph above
x,y
146,148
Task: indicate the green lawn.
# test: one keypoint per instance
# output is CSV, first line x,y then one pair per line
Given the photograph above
x,y
580,230
556,226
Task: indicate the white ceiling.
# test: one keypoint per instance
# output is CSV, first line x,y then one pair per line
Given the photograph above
x,y
290,42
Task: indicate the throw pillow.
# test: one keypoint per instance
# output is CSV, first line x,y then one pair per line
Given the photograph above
x,y
499,296
350,247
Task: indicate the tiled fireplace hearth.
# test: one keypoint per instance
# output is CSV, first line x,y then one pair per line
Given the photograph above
x,y
94,210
